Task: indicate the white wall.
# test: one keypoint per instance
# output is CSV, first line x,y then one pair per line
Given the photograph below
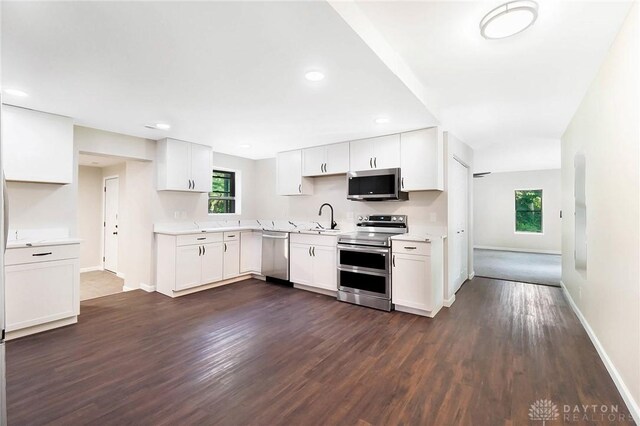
x,y
494,211
605,129
90,216
541,154
424,208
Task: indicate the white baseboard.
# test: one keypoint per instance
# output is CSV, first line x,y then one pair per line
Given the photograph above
x,y
632,405
448,302
120,275
519,250
125,288
472,274
91,269
420,312
148,288
315,289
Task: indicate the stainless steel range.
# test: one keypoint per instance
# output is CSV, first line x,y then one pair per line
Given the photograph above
x,y
364,261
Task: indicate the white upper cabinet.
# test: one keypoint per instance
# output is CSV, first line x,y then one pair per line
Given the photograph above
x,y
325,160
375,153
183,166
289,179
422,160
37,147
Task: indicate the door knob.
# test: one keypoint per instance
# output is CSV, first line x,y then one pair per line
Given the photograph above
x,y
115,233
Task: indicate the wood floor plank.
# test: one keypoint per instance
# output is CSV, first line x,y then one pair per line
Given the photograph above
x,y
256,353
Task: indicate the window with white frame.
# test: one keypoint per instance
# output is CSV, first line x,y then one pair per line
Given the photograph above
x,y
222,197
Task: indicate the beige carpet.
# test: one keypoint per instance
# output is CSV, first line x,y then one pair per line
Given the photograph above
x,y
99,283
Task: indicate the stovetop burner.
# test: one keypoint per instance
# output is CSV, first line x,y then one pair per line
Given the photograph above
x,y
375,230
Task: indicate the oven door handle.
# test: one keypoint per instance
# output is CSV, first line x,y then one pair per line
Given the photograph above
x,y
363,249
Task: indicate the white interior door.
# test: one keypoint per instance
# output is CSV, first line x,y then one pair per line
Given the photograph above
x,y
111,204
460,194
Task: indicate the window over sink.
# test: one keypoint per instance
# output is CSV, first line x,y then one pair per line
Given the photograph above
x,y
222,197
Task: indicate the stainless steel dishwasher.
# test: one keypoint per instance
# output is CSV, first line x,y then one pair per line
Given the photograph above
x,y
275,255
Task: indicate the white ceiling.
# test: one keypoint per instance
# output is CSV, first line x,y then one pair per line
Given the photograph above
x,y
522,90
92,160
224,74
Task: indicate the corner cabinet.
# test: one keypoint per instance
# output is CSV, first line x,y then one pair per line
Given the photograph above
x,y
313,261
37,147
422,160
375,153
326,160
416,279
183,166
289,179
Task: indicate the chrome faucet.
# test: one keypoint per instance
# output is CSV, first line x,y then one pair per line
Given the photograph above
x,y
333,223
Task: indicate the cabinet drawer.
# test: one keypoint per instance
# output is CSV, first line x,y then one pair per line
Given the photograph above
x,y
314,240
203,238
232,236
22,255
411,247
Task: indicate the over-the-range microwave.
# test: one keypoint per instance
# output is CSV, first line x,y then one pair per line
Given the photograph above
x,y
375,185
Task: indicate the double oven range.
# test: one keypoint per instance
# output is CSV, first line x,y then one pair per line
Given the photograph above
x,y
364,261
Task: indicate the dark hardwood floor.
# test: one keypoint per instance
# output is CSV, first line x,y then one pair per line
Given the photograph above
x,y
256,353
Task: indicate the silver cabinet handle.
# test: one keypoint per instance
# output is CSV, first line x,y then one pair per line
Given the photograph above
x,y
309,251
199,250
402,182
321,167
375,162
393,260
225,247
313,250
410,248
371,162
300,188
201,238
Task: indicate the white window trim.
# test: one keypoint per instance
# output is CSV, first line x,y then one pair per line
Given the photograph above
x,y
238,197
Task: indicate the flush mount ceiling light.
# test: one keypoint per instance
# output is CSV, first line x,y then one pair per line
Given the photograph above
x,y
509,19
158,126
314,76
382,120
15,92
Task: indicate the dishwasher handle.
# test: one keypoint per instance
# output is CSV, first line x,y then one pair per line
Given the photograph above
x,y
275,237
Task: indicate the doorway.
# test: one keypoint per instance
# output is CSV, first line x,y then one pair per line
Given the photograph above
x,y
111,205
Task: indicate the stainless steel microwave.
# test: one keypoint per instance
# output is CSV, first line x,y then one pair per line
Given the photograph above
x,y
375,185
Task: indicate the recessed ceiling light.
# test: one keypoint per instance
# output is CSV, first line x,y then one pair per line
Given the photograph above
x,y
245,146
15,92
382,120
509,19
158,126
314,76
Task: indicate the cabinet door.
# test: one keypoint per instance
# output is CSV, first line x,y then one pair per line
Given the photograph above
x,y
289,180
41,292
37,147
313,160
411,281
325,274
300,264
361,155
231,259
337,158
250,252
212,258
201,167
386,154
421,160
177,161
188,267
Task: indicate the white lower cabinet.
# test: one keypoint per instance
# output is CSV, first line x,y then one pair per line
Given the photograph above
x,y
250,252
42,288
185,262
416,285
312,260
231,259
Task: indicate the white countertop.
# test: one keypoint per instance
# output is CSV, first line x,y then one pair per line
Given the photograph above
x,y
418,237
41,243
194,230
